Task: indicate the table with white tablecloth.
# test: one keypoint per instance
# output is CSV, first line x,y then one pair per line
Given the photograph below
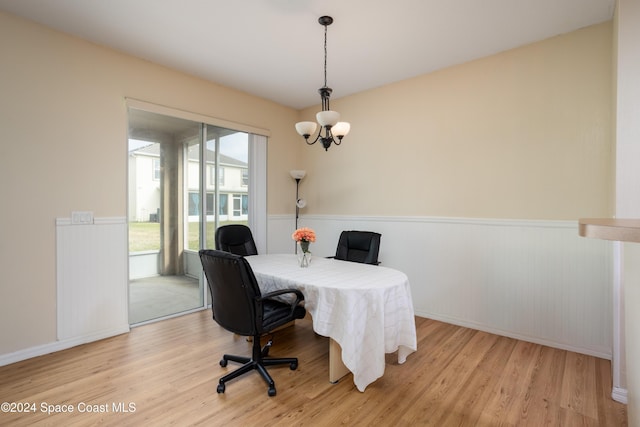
x,y
366,309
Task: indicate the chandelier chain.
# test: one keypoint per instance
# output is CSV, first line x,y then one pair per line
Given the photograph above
x,y
325,56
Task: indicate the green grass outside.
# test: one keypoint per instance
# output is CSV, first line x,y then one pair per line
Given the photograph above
x,y
145,236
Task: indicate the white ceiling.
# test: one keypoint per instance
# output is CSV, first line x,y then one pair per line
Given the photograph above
x,y
274,48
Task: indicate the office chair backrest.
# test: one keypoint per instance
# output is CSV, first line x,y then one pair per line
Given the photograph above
x,y
359,246
236,239
234,292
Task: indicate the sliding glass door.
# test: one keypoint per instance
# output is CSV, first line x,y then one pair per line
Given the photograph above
x,y
186,178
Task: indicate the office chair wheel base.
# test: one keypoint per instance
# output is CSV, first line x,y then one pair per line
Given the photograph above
x,y
223,363
272,391
221,388
293,366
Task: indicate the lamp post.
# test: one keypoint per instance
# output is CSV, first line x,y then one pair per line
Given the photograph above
x,y
300,203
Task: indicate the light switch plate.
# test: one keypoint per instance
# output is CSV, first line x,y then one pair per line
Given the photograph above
x,y
82,217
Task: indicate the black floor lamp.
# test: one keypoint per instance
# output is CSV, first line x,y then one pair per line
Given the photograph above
x,y
300,203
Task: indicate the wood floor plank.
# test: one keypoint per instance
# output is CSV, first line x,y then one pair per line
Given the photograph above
x,y
455,380
435,399
579,385
477,390
610,413
540,402
169,371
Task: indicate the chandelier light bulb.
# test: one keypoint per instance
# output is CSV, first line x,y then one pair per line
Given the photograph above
x,y
306,128
328,118
340,129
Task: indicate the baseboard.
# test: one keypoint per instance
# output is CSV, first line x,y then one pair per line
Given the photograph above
x,y
28,353
619,395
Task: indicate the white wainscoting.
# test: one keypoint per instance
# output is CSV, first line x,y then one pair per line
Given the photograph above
x,y
92,294
533,280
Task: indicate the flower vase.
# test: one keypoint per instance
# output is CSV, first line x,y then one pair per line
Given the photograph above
x,y
304,255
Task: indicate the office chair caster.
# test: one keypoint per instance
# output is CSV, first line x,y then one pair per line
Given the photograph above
x,y
272,391
265,349
221,388
293,366
223,363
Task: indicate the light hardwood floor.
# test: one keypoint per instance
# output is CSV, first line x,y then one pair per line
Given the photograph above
x,y
168,372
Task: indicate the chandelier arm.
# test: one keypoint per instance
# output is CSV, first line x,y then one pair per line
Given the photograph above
x,y
337,141
315,140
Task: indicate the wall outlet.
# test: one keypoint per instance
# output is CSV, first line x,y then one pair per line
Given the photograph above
x,y
81,217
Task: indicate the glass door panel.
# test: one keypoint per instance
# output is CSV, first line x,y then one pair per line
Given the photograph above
x,y
164,278
228,161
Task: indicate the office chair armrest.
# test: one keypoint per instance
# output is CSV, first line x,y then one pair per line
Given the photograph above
x,y
299,295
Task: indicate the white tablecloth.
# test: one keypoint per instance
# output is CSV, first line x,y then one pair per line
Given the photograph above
x,y
367,309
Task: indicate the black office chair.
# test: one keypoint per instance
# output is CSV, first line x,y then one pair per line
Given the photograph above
x,y
236,239
239,307
358,246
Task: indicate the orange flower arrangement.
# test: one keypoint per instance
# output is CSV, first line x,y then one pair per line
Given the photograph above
x,y
304,234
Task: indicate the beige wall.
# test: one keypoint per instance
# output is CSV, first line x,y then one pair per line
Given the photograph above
x,y
521,134
63,148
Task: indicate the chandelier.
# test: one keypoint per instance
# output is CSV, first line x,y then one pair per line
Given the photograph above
x,y
331,129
